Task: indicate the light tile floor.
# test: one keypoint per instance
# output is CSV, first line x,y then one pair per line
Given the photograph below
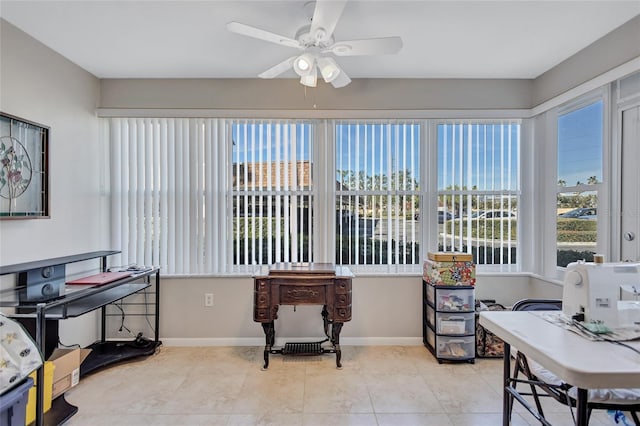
x,y
378,385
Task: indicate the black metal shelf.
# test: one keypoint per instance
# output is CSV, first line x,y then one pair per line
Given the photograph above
x,y
60,412
20,267
76,301
106,353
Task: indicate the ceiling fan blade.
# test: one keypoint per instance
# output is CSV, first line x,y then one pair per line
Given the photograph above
x,y
278,69
369,46
248,30
325,17
341,80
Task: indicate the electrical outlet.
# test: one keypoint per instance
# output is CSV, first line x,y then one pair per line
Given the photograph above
x,y
208,299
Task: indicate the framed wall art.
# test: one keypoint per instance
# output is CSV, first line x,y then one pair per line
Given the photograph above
x,y
24,169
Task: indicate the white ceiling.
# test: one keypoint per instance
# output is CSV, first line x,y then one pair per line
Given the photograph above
x,y
442,39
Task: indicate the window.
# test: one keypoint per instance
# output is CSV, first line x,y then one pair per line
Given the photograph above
x,y
580,149
377,193
272,192
479,189
201,196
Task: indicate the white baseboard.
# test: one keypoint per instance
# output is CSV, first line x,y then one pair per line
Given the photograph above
x,y
259,341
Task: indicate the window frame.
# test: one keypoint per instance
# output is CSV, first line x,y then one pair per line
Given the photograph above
x,y
517,193
603,189
417,192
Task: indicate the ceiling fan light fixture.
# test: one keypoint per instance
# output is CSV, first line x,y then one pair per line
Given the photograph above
x,y
328,68
304,64
310,79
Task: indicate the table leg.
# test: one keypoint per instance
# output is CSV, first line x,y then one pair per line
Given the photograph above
x,y
506,396
270,337
335,340
581,408
325,320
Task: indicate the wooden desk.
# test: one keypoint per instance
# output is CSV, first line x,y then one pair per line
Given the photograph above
x,y
583,363
303,284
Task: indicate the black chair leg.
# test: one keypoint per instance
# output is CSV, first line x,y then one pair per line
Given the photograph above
x,y
524,365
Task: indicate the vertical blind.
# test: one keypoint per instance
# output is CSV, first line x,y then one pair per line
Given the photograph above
x,y
200,196
167,181
377,196
479,189
272,195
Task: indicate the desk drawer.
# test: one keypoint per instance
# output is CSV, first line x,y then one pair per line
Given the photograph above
x,y
261,285
342,314
261,315
261,299
298,295
342,300
343,286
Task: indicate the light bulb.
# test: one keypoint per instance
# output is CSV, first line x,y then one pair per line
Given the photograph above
x,y
328,68
304,64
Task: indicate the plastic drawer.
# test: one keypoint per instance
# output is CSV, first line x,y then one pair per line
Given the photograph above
x,y
455,347
431,316
455,323
454,299
430,293
431,338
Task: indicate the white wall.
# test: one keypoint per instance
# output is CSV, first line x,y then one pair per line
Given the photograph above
x,y
41,86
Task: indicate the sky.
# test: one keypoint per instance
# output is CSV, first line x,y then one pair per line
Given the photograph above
x,y
480,155
580,144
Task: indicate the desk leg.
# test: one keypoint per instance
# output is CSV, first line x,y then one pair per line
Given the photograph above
x,y
325,320
270,337
506,396
335,339
581,408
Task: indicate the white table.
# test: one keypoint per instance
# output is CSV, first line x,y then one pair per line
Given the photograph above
x,y
583,363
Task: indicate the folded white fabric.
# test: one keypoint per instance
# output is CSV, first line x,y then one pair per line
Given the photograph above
x,y
608,396
19,355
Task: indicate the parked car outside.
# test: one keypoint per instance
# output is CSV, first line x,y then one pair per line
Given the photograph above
x,y
494,214
581,213
445,216
442,216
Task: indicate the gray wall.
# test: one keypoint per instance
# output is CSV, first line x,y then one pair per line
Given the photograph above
x,y
616,48
39,85
385,311
289,94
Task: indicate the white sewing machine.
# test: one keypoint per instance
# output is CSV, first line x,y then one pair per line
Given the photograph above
x,y
596,290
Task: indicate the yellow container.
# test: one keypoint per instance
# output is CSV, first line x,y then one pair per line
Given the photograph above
x,y
48,389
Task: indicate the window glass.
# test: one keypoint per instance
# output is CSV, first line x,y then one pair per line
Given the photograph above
x,y
272,201
580,139
377,193
479,189
580,146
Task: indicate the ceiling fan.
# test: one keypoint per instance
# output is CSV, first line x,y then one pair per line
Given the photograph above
x,y
317,46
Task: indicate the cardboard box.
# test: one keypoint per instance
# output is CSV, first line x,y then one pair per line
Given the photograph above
x,y
67,368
